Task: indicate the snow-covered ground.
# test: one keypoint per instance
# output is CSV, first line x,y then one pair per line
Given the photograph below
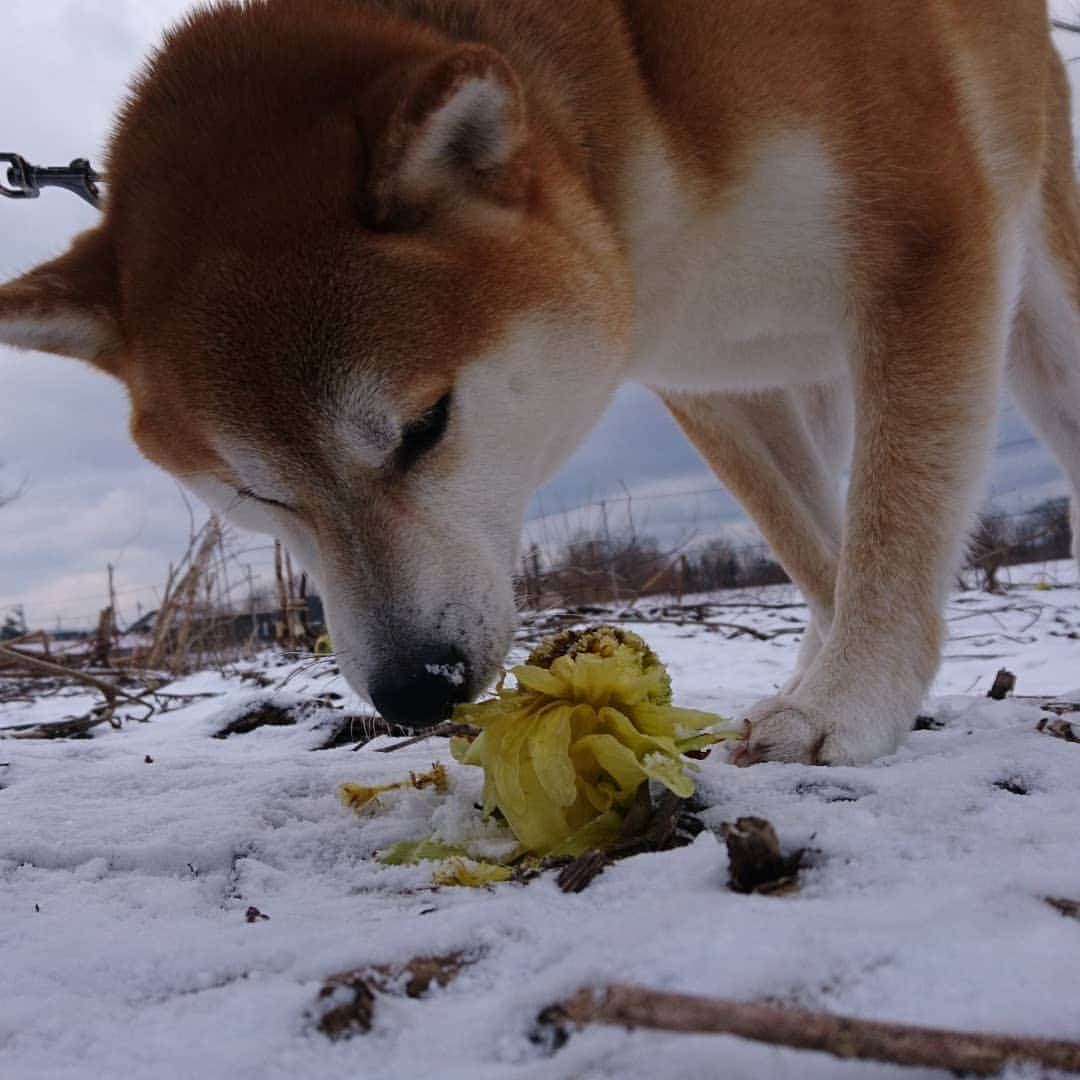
x,y
128,863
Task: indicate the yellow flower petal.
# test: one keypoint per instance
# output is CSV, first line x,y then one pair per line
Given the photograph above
x,y
543,682
615,723
600,795
619,762
539,824
357,796
669,771
470,873
658,720
411,852
549,751
597,833
504,758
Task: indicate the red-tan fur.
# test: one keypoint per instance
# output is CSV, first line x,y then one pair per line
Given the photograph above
x,y
294,216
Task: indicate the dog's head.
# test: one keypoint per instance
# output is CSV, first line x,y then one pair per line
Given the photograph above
x,y
361,301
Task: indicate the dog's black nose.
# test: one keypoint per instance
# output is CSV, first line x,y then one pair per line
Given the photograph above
x,y
421,693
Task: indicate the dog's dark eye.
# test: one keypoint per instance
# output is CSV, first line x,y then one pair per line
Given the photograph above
x,y
423,434
247,493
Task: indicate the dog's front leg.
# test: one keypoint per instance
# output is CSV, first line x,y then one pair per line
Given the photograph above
x,y
927,354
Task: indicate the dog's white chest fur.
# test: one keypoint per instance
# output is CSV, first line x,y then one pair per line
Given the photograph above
x,y
744,294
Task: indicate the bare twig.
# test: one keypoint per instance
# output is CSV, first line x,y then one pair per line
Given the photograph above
x,y
1069,908
841,1036
39,637
645,828
110,690
447,730
73,728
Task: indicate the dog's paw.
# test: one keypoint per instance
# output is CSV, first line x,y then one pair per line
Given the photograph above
x,y
786,729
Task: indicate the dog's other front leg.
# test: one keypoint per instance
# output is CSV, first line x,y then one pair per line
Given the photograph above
x,y
927,354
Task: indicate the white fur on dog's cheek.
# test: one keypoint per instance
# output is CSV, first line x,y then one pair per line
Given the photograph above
x,y
527,406
228,503
251,515
246,513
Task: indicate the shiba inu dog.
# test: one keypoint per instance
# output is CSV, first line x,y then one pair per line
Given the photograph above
x,y
370,270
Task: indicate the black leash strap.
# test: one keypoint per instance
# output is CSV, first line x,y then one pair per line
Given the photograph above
x,y
25,181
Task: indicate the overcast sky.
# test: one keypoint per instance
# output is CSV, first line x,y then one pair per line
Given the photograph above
x,y
88,498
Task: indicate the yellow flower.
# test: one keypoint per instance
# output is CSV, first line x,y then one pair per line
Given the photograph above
x,y
358,796
470,873
565,752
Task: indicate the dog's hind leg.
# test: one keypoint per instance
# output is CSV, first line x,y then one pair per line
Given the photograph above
x,y
1044,352
781,454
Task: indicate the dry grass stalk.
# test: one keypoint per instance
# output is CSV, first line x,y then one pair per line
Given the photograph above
x,y
291,629
176,628
37,637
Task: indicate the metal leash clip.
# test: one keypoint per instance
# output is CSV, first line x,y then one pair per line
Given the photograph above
x,y
25,181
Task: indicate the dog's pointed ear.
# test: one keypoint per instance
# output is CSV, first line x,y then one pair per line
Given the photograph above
x,y
456,134
68,306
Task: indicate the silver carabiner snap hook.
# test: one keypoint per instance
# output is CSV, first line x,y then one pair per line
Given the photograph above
x,y
25,181
19,178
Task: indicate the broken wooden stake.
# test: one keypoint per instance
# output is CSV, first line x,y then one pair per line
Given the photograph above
x,y
1004,684
755,862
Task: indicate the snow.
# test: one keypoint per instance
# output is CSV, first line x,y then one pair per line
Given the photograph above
x,y
452,673
124,882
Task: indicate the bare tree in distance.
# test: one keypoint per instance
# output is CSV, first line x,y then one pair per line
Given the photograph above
x,y
999,540
989,550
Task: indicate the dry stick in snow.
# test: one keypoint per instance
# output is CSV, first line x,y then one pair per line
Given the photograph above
x,y
62,729
110,690
841,1036
38,636
448,729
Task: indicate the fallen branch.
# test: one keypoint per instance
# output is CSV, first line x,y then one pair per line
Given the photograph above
x,y
757,635
38,637
151,699
111,691
1069,908
74,728
1060,708
841,1036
